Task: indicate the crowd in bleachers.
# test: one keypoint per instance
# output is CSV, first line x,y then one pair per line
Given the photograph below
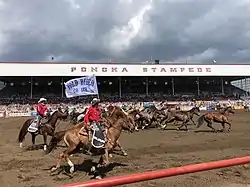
x,y
25,104
24,101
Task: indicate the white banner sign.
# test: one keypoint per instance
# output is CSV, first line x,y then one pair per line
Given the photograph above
x,y
81,87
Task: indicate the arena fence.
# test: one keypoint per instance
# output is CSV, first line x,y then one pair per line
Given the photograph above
x,y
145,176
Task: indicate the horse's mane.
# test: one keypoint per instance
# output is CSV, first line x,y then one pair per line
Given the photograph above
x,y
117,112
131,110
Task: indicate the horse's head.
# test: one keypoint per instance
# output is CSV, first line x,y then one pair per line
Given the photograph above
x,y
126,122
196,111
229,110
109,110
59,114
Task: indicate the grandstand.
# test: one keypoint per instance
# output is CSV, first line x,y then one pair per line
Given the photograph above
x,y
33,80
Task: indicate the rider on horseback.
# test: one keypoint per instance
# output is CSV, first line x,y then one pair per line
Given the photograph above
x,y
42,110
92,115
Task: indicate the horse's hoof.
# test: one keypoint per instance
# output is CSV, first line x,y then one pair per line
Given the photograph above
x,y
98,177
45,147
178,129
110,155
72,169
125,154
53,169
92,169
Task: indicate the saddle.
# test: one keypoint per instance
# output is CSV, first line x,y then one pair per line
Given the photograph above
x,y
98,136
44,120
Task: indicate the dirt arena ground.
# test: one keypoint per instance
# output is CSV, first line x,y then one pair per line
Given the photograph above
x,y
148,150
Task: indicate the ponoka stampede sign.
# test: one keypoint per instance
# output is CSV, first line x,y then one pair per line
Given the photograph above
x,y
81,87
124,69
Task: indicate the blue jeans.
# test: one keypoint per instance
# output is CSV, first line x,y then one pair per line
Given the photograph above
x,y
38,118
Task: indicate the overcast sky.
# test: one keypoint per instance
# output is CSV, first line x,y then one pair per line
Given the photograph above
x,y
125,30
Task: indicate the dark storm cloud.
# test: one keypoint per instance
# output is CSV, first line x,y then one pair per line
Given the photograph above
x,y
126,30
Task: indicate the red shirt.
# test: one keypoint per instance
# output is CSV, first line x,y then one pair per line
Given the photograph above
x,y
92,115
41,109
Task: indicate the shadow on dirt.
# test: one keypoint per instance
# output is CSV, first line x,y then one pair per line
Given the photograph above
x,y
86,167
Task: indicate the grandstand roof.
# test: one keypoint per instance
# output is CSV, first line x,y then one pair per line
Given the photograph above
x,y
115,69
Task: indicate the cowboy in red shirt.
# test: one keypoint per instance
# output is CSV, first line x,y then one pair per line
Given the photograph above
x,y
41,110
92,115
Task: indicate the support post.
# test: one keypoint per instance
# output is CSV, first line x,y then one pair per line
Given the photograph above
x,y
222,86
120,86
62,88
146,86
173,88
31,87
245,86
198,86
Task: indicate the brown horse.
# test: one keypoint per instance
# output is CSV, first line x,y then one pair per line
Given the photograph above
x,y
182,116
130,117
47,129
217,117
134,116
115,120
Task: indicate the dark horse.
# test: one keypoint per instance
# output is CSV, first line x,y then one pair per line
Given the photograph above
x,y
182,116
218,117
46,129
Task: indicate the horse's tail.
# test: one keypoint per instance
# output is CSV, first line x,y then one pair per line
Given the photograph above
x,y
23,131
58,136
200,120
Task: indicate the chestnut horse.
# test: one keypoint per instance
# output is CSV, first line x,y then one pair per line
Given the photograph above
x,y
217,117
47,129
115,120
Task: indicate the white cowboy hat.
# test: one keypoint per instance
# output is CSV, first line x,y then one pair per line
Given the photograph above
x,y
42,100
95,101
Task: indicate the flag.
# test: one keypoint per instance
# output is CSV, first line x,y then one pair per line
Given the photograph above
x,y
81,87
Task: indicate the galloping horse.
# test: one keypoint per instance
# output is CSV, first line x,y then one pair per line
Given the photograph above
x,y
150,116
134,115
47,129
183,116
115,120
217,117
